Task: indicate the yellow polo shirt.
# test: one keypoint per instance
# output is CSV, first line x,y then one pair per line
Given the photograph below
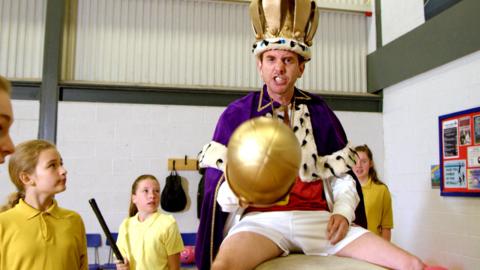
x,y
378,207
148,244
31,239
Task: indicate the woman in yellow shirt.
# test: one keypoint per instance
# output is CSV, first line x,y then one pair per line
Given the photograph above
x,y
377,199
35,233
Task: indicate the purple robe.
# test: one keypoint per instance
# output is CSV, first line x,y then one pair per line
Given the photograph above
x,y
329,138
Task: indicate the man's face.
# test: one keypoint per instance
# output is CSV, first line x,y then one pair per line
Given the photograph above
x,y
280,70
6,120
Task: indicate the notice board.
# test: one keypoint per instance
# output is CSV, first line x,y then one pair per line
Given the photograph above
x,y
459,134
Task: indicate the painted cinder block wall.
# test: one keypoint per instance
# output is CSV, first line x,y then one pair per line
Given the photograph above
x,y
105,146
441,230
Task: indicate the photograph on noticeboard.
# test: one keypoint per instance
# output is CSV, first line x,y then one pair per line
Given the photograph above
x,y
473,154
455,174
450,145
476,124
464,129
474,179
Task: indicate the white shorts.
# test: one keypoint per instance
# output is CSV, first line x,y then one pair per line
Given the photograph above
x,y
296,231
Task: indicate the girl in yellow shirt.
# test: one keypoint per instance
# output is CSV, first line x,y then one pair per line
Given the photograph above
x,y
35,233
148,239
377,199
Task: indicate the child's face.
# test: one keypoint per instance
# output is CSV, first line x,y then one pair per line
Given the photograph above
x,y
147,196
49,177
362,166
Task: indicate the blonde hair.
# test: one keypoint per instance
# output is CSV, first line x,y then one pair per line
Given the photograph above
x,y
24,160
5,85
133,210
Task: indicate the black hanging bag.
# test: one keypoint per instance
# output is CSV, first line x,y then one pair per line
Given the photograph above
x,y
173,197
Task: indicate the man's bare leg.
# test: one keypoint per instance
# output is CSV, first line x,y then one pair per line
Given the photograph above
x,y
372,248
245,250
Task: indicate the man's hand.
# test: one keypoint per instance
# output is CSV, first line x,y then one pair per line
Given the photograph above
x,y
122,266
337,228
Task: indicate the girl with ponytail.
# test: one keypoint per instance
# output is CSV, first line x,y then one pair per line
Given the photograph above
x,y
148,239
35,233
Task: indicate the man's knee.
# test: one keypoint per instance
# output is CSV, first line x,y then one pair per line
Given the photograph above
x,y
413,263
226,263
220,264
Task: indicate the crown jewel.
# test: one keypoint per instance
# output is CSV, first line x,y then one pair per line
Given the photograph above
x,y
284,24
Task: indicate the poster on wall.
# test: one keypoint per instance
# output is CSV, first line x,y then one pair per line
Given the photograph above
x,y
435,175
459,137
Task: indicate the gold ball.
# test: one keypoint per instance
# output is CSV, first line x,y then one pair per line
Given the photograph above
x,y
263,161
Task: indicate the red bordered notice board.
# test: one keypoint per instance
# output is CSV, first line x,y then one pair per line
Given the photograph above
x,y
460,153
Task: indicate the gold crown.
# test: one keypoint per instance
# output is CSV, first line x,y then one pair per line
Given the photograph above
x,y
284,25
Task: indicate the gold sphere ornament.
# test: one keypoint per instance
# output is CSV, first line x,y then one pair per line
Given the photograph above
x,y
263,159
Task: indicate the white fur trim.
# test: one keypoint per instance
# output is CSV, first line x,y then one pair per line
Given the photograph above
x,y
214,154
312,169
282,44
307,142
340,162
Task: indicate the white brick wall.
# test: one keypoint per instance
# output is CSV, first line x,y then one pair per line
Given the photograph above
x,y
439,229
106,146
399,17
366,128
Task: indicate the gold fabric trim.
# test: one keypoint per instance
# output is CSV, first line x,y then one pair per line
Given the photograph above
x,y
299,94
304,96
260,107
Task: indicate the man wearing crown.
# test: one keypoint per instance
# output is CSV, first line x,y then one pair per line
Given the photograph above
x,y
317,219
